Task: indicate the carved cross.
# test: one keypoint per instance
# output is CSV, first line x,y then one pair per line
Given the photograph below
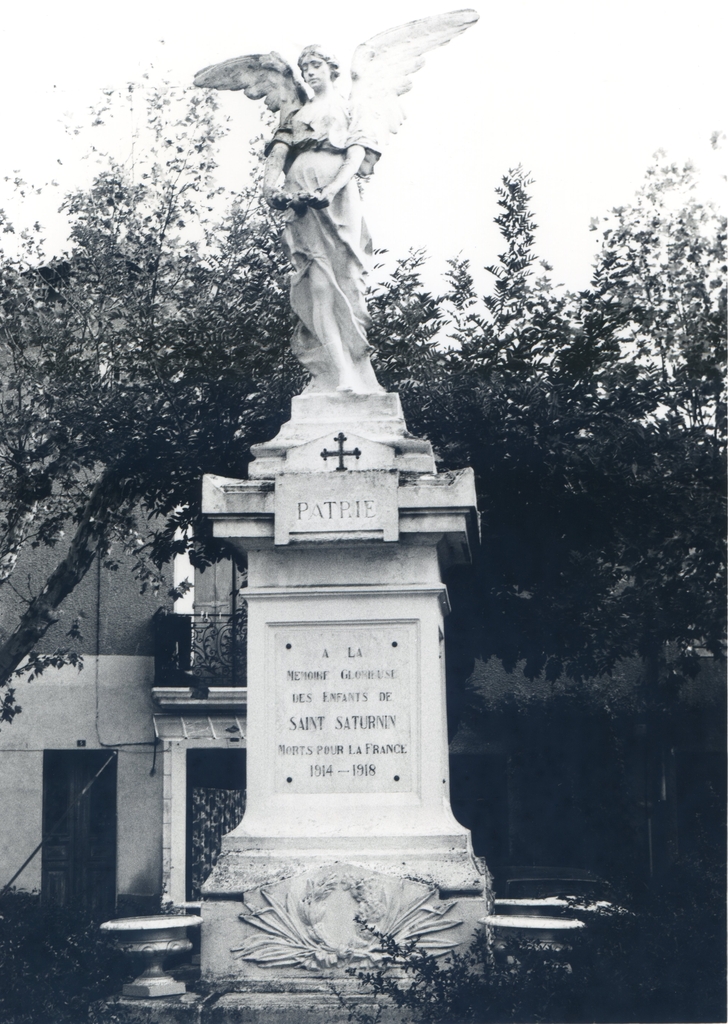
x,y
340,453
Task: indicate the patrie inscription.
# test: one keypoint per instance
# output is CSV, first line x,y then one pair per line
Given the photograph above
x,y
360,503
344,706
356,508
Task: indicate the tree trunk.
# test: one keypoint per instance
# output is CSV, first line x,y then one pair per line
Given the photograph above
x,y
41,612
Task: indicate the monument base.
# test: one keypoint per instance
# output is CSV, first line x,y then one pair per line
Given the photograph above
x,y
443,862
316,1003
319,924
348,835
190,1008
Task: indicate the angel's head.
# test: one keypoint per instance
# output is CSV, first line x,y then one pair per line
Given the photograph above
x,y
313,61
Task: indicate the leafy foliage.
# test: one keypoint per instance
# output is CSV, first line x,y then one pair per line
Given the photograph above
x,y
655,956
596,434
54,962
154,350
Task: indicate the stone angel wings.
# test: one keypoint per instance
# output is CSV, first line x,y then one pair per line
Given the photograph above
x,y
381,71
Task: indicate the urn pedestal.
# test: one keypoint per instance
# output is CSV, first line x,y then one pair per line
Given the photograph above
x,y
155,938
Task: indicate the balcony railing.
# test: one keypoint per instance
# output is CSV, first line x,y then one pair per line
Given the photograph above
x,y
200,650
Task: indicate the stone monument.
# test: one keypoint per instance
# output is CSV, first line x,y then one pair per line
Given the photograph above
x,y
347,528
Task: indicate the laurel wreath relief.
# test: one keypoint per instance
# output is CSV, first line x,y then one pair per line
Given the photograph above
x,y
294,932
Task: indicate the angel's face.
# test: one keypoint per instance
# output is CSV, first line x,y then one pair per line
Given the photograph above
x,y
316,73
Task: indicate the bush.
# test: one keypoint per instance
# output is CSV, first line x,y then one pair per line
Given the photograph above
x,y
53,962
525,983
661,960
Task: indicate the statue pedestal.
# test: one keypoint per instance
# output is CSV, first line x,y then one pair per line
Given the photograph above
x,y
347,530
377,419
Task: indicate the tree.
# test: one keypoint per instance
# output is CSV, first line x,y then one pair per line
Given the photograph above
x,y
663,260
663,265
154,349
594,426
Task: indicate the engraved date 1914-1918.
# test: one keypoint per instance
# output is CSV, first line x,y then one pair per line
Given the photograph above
x,y
319,771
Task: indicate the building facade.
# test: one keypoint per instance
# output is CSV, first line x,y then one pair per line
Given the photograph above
x,y
130,769
121,768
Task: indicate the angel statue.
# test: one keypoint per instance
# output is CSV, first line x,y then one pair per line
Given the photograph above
x,y
322,142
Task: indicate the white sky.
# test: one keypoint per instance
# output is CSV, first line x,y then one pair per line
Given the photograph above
x,y
580,92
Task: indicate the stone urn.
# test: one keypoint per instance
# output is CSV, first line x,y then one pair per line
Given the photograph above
x,y
156,938
547,932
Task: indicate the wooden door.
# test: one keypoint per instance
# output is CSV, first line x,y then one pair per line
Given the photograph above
x,y
79,850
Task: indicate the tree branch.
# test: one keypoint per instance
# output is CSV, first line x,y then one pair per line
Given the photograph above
x,y
13,539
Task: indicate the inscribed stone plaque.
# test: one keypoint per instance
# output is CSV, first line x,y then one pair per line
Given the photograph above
x,y
327,506
345,695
